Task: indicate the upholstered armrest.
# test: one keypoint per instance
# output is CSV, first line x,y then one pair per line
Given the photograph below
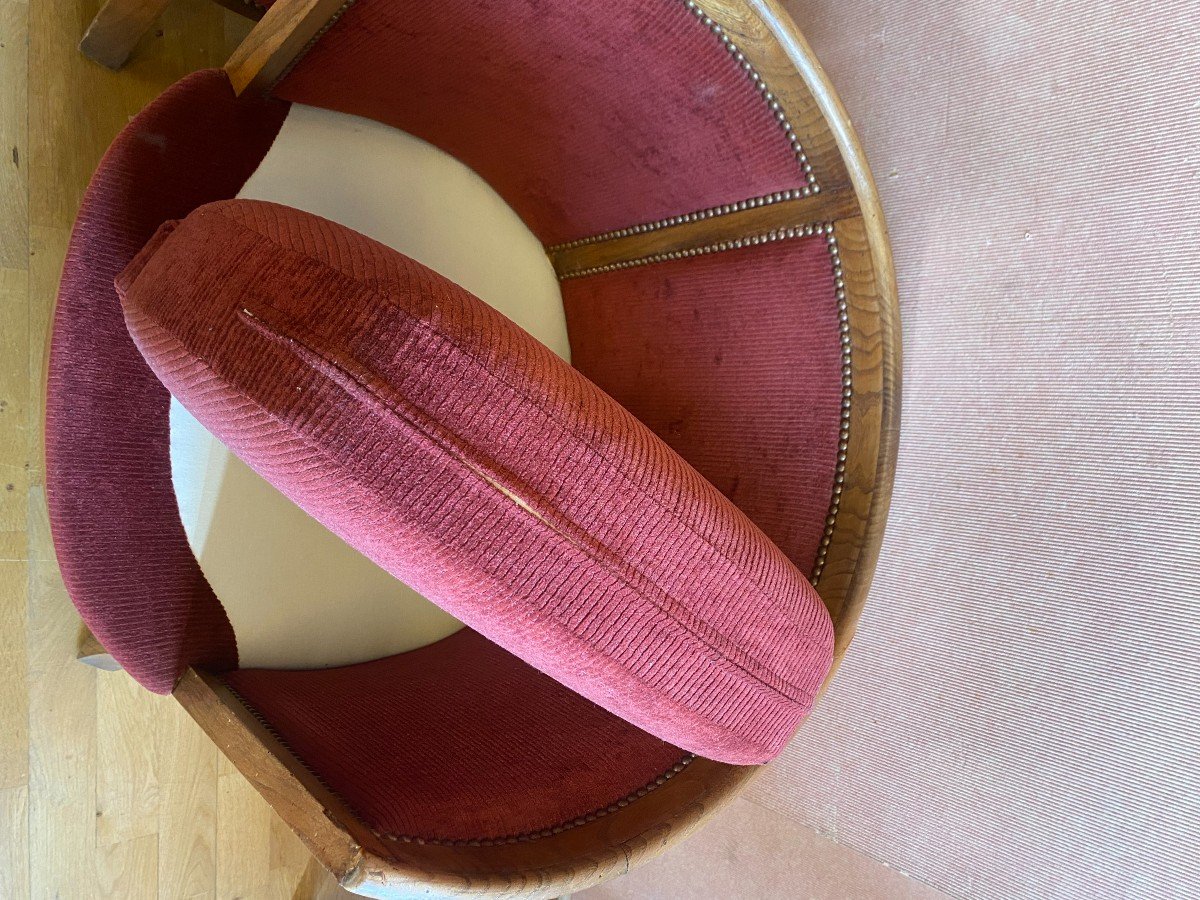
x,y
120,544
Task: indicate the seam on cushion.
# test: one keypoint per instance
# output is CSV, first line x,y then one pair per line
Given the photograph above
x,y
532,835
383,292
552,420
730,653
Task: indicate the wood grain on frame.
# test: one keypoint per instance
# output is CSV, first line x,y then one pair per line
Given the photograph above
x,y
279,38
328,828
866,487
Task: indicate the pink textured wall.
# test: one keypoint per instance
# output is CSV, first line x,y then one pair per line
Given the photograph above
x,y
1020,713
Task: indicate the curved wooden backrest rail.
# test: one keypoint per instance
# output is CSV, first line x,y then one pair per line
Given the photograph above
x,y
875,322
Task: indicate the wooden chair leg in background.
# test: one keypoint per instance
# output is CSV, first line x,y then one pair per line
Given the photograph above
x,y
117,28
90,651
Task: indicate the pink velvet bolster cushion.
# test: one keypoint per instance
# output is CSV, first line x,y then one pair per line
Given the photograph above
x,y
457,452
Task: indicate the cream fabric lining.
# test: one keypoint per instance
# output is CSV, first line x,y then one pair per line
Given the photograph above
x,y
298,597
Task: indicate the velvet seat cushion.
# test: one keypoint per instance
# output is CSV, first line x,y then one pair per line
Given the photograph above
x,y
462,456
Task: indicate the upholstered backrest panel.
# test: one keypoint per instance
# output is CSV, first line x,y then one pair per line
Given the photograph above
x,y
734,360
459,740
120,544
586,117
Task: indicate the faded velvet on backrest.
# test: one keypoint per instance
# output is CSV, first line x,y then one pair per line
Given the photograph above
x,y
594,121
585,117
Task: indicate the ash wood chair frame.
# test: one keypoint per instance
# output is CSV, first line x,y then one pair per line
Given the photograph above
x,y
846,210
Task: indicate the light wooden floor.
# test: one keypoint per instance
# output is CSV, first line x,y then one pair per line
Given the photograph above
x,y
105,790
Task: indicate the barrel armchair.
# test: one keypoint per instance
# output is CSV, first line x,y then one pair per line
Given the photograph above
x,y
650,227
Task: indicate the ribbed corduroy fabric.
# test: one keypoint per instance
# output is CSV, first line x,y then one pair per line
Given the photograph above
x,y
120,544
734,360
438,438
584,117
458,740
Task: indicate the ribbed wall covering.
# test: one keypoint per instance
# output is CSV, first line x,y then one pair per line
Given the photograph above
x,y
1020,713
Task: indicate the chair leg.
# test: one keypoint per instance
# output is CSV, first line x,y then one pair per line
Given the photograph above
x,y
91,652
117,28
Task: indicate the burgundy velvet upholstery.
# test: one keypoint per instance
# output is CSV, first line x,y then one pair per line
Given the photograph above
x,y
438,438
585,117
120,544
734,360
456,741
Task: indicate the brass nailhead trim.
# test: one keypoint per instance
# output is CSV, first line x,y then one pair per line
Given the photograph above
x,y
556,829
766,237
839,471
709,213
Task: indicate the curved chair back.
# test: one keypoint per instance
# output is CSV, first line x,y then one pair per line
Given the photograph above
x,y
726,275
